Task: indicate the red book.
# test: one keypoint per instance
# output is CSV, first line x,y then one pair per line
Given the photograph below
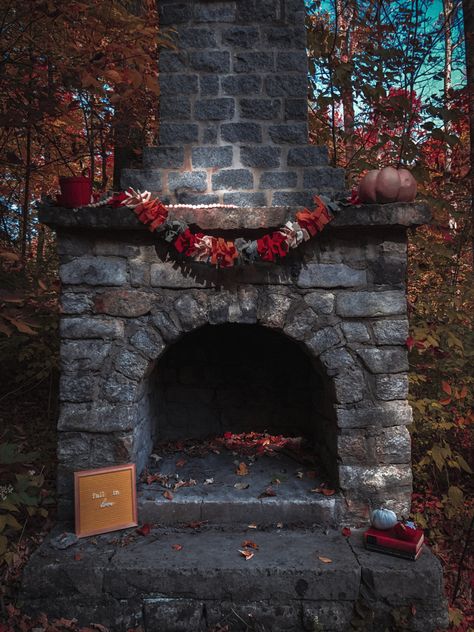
x,y
388,542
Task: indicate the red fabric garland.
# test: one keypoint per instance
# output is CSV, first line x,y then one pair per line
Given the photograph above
x,y
223,253
269,247
314,221
153,213
185,242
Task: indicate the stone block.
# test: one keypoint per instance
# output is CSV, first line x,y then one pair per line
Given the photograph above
x,y
384,360
292,61
240,36
393,445
287,86
353,448
73,388
175,13
232,179
260,109
132,365
197,38
94,271
194,180
173,109
149,342
355,332
326,275
390,332
321,303
255,61
258,11
260,157
167,275
142,179
284,37
163,157
278,180
83,355
139,273
173,615
337,360
127,303
323,340
289,133
309,156
176,134
209,85
292,198
172,62
245,199
386,414
273,309
212,156
96,417
295,110
209,135
191,313
75,303
210,61
241,132
349,386
214,109
172,85
81,327
168,325
214,12
324,178
241,84
188,197
374,479
394,386
121,389
370,304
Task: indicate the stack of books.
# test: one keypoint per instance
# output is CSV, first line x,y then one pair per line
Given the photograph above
x,y
398,541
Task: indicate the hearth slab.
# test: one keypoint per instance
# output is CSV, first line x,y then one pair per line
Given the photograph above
x,y
126,579
220,502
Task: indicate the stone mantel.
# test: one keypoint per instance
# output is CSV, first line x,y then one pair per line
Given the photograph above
x,y
258,218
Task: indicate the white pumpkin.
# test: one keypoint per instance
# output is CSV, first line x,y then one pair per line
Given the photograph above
x,y
383,519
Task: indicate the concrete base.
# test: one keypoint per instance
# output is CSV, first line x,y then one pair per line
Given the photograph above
x,y
125,579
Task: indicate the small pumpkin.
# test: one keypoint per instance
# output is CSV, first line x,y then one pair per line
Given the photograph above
x,y
387,185
383,519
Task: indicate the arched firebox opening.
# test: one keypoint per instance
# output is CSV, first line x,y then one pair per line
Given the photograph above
x,y
248,389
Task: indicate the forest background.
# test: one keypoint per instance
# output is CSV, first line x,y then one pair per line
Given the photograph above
x,y
391,83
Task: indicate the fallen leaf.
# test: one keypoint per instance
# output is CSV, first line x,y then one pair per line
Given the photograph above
x,y
252,526
144,530
181,462
176,547
346,532
241,485
242,470
279,525
168,495
328,492
268,493
209,481
325,560
78,557
247,554
299,474
195,524
250,545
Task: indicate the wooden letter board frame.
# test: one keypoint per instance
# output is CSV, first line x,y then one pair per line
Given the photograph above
x,y
105,499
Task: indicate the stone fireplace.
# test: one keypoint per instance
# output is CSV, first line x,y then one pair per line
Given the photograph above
x,y
155,349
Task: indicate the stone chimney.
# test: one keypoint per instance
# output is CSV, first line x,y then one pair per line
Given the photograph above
x,y
233,108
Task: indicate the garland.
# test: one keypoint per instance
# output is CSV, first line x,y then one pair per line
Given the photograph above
x,y
218,251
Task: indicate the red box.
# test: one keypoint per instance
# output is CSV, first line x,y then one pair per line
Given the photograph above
x,y
388,542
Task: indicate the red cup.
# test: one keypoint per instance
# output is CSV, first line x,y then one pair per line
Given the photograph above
x,y
75,191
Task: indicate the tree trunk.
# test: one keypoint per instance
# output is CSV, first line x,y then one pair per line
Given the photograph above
x,y
346,12
468,11
448,8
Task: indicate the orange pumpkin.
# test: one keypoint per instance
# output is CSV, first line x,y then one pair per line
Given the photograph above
x,y
387,185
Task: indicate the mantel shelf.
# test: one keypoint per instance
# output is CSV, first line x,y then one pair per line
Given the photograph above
x,y
106,217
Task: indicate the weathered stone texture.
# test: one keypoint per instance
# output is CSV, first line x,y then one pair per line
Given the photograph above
x,y
370,304
94,271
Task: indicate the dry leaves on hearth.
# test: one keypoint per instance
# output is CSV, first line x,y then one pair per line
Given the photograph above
x,y
250,545
144,530
176,547
168,495
323,490
324,560
181,462
241,486
269,492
